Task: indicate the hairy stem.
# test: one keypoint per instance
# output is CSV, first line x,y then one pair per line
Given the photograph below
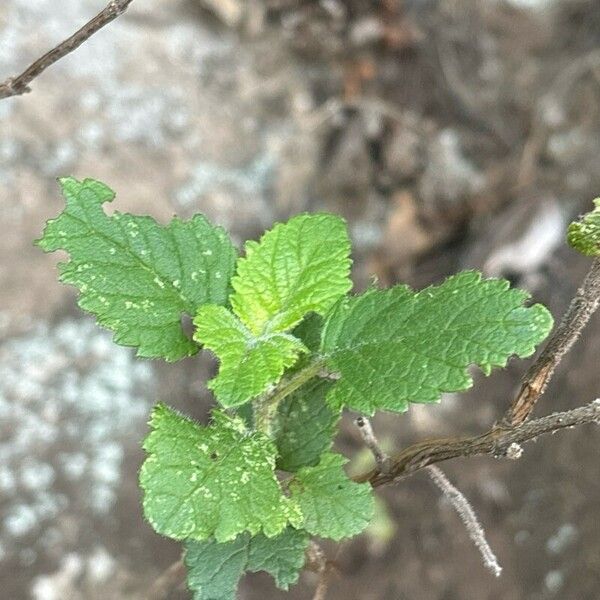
x,y
265,407
317,561
467,515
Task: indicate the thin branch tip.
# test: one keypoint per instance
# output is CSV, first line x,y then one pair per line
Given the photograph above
x,y
468,517
368,435
582,307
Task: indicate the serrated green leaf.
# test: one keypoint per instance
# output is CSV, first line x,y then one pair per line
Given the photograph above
x,y
306,425
281,556
248,363
584,235
395,346
214,568
217,480
297,267
333,505
136,276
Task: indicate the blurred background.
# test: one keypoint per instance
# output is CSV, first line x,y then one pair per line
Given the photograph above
x,y
451,134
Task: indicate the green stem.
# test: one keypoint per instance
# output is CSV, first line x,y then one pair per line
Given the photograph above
x,y
265,408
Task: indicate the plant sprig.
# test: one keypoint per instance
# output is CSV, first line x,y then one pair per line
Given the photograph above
x,y
294,345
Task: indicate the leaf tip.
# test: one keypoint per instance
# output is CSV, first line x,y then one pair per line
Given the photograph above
x,y
159,412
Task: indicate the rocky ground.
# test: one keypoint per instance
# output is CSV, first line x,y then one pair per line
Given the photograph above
x,y
450,134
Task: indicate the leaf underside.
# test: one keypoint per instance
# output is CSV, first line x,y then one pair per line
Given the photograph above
x,y
214,568
306,426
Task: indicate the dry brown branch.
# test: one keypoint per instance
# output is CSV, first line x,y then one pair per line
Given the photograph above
x,y
495,442
582,307
15,86
513,430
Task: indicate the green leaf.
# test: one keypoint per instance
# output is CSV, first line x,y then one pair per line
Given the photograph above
x,y
248,363
136,276
309,331
306,426
281,556
396,346
217,480
297,267
214,568
584,235
333,506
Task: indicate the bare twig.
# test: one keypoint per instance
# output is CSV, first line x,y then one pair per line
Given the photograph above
x,y
368,436
468,517
495,442
582,307
15,86
167,581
